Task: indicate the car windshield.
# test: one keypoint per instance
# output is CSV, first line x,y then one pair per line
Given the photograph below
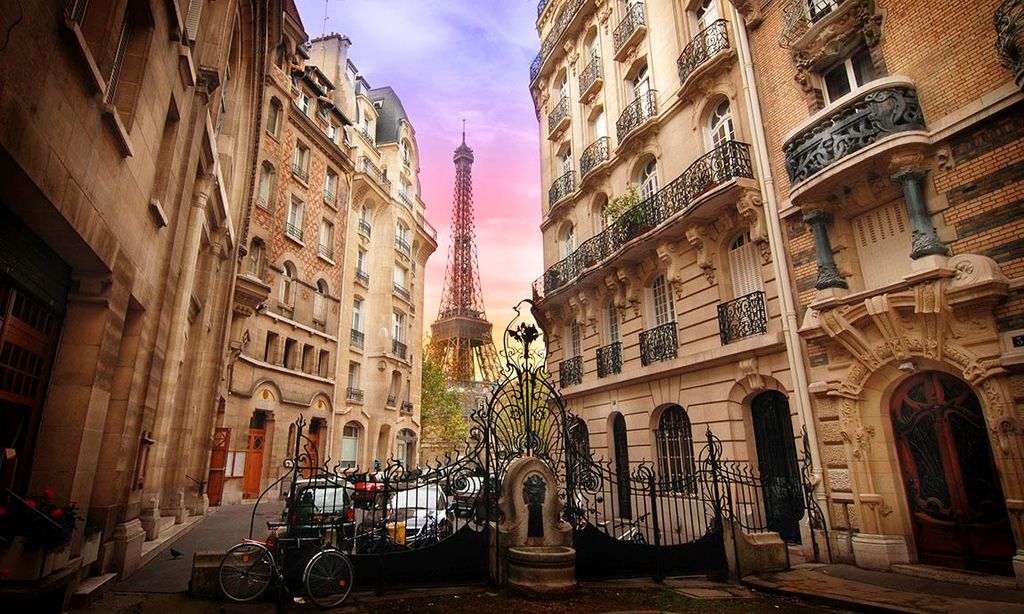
x,y
424,498
325,498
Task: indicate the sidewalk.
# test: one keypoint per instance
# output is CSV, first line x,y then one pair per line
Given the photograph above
x,y
848,587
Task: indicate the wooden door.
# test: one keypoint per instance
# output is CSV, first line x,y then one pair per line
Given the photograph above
x,y
776,463
253,463
956,503
218,461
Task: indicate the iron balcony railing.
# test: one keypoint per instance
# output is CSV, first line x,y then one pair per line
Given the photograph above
x,y
402,196
590,74
300,173
358,338
561,187
364,228
426,225
643,108
354,394
609,359
742,317
725,162
1009,23
74,10
401,291
391,400
800,15
708,42
632,21
293,231
362,276
874,116
329,197
540,7
407,407
559,113
375,173
398,349
594,155
570,371
550,42
403,246
326,251
658,344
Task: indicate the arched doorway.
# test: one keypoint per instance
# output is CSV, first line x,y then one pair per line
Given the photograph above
x,y
621,465
776,463
956,503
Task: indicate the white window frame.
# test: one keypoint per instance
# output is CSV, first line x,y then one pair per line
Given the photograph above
x,y
662,309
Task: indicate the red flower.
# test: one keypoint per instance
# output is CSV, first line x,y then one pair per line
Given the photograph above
x,y
57,513
31,503
50,493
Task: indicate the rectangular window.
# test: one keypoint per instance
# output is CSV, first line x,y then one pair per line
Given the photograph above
x,y
357,315
349,446
307,358
305,103
662,301
324,363
332,132
398,326
353,375
848,75
294,226
255,259
400,276
361,260
300,162
574,339
273,117
613,323
327,235
883,241
290,351
270,349
330,187
266,179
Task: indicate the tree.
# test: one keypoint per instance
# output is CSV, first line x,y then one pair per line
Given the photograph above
x,y
442,422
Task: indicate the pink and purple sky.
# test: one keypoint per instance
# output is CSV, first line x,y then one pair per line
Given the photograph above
x,y
449,60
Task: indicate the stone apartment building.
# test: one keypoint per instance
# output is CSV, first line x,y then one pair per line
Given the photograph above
x,y
894,132
671,317
128,140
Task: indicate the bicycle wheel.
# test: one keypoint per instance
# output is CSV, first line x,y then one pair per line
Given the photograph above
x,y
328,578
246,572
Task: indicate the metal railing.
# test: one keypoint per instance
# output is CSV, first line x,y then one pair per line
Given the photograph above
x,y
742,317
326,252
74,10
358,338
293,231
632,21
403,246
353,394
557,114
800,15
401,291
407,407
362,276
659,344
398,349
643,108
550,42
364,228
540,7
329,197
391,400
561,187
874,116
375,173
570,371
402,196
426,225
595,154
1009,24
300,173
609,359
725,162
590,74
708,42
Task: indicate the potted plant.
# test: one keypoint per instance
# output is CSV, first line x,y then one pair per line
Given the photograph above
x,y
37,531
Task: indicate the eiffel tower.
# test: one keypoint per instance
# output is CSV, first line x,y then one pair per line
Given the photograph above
x,y
461,342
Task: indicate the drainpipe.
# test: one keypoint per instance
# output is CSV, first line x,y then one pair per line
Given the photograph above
x,y
790,326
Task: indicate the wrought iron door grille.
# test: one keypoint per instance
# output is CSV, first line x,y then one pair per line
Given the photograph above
x,y
877,115
636,113
561,187
703,47
358,338
609,359
590,74
354,394
725,162
570,371
398,349
742,317
659,344
557,114
594,155
675,458
631,22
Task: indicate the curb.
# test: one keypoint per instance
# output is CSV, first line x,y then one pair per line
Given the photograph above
x,y
823,599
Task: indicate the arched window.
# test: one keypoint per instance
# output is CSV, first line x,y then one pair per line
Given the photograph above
x,y
406,153
720,127
597,216
350,440
405,447
647,179
675,448
320,301
612,320
288,279
707,13
579,442
662,309
567,240
255,259
640,85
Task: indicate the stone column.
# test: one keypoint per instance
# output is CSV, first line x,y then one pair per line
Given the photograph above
x,y
828,273
925,242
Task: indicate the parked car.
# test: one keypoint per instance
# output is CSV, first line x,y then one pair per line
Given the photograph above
x,y
465,500
320,504
424,513
365,488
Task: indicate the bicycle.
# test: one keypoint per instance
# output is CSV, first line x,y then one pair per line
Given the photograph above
x,y
249,568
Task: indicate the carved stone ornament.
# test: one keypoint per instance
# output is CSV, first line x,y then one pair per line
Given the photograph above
x,y
670,254
751,12
699,236
751,211
633,287
815,48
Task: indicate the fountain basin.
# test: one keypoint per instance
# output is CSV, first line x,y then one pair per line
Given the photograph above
x,y
542,571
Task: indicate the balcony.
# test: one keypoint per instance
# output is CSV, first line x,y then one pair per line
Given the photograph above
x,y
325,252
636,114
561,187
728,161
591,78
426,225
404,198
407,407
330,197
364,228
558,118
745,316
300,173
362,277
800,17
659,344
398,349
708,43
374,172
358,338
596,154
391,400
401,291
540,7
1009,22
293,231
885,111
609,359
354,394
550,44
630,30
403,246
570,371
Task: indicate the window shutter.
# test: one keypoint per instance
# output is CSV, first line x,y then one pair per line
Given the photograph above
x,y
195,10
883,244
745,270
